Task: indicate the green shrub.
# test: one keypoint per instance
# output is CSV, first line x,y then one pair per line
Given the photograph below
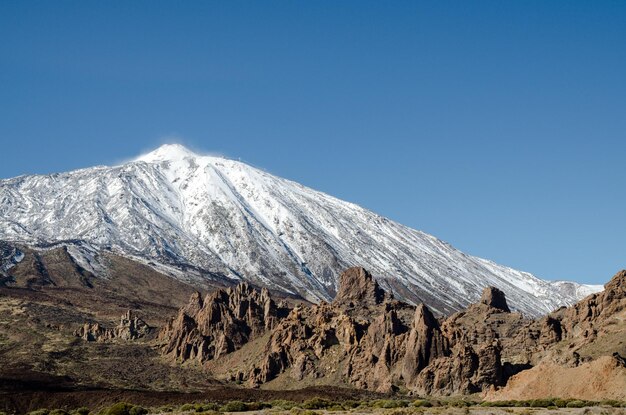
x,y
458,403
576,404
316,403
257,406
282,404
611,402
188,407
350,404
552,407
561,403
422,403
205,407
120,408
81,411
123,408
39,412
234,406
165,408
390,403
541,403
364,404
59,412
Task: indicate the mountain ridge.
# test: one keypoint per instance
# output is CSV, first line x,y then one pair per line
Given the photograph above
x,y
206,216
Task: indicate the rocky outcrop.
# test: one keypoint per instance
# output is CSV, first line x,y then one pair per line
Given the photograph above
x,y
130,328
425,343
382,344
357,288
221,323
494,298
367,339
587,316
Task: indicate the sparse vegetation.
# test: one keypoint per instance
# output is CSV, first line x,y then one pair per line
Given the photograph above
x,y
418,403
316,403
124,408
282,404
206,407
234,406
390,403
299,411
576,404
320,406
541,403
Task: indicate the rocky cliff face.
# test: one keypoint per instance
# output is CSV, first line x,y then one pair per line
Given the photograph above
x,y
367,339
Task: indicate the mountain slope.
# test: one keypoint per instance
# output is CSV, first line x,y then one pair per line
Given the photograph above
x,y
196,217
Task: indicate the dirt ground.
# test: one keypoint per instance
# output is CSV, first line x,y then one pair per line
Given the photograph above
x,y
443,411
450,411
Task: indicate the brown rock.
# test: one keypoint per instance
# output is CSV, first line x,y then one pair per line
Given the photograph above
x,y
495,298
366,339
357,288
425,343
221,323
130,328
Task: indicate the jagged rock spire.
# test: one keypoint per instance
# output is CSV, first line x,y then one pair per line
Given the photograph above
x,y
357,287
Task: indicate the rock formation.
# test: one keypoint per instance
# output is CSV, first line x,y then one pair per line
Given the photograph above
x,y
494,298
357,288
221,323
130,328
367,339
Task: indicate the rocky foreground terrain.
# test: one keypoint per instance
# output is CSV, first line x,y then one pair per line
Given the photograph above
x,y
366,339
68,337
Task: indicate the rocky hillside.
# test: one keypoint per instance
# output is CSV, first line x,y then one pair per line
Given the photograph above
x,y
209,220
367,339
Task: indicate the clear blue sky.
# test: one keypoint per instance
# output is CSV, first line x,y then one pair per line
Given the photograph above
x,y
498,126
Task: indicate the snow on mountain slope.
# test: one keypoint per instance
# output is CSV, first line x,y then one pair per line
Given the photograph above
x,y
181,211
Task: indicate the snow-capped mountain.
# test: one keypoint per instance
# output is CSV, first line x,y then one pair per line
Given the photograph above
x,y
195,216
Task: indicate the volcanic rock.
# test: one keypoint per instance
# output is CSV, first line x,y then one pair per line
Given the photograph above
x,y
425,343
368,340
130,328
221,323
357,288
495,298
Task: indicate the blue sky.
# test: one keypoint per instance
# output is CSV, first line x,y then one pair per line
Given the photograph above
x,y
498,126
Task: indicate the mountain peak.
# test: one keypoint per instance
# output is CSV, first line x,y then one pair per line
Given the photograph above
x,y
204,218
167,152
